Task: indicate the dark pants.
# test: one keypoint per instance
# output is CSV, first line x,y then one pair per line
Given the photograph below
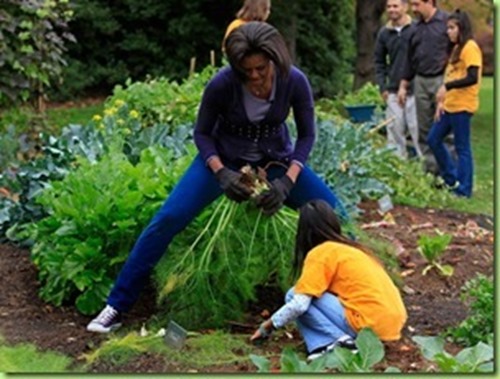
x,y
195,191
453,170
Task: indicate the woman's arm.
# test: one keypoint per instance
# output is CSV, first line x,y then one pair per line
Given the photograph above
x,y
208,113
303,110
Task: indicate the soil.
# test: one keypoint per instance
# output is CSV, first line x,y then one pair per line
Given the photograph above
x,y
432,301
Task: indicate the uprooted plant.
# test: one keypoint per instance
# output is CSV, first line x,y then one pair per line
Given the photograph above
x,y
215,266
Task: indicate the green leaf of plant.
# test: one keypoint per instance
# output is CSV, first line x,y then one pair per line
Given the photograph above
x,y
318,365
446,362
370,348
430,346
486,367
474,356
262,363
346,359
446,270
290,361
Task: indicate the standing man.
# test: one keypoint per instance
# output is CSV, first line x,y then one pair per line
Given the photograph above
x,y
391,50
425,63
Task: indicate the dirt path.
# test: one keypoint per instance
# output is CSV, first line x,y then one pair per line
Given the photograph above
x,y
432,302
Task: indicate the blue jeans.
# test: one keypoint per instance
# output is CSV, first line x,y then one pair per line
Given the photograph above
x,y
195,191
324,322
450,170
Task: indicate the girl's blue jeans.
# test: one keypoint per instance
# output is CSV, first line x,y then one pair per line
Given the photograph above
x,y
450,170
324,322
195,191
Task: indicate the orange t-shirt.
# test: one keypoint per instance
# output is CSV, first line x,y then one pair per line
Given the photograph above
x,y
366,291
466,98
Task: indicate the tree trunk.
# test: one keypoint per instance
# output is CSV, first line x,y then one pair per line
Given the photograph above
x,y
368,22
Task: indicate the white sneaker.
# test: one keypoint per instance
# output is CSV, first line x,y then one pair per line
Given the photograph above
x,y
345,341
108,320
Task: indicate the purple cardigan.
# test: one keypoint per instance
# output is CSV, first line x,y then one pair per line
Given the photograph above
x,y
223,129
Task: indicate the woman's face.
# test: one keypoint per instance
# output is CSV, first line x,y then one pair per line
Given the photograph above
x,y
258,71
453,31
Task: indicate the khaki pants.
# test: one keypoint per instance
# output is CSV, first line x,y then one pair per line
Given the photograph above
x,y
425,100
405,122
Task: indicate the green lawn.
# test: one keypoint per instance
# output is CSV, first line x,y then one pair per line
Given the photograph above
x,y
60,117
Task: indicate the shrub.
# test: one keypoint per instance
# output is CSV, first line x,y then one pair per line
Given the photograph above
x,y
32,43
96,213
163,101
479,325
369,94
346,158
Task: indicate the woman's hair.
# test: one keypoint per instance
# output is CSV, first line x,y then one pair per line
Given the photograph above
x,y
461,19
318,223
257,38
254,10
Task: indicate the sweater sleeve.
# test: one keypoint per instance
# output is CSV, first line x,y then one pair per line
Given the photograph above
x,y
291,310
469,80
208,113
303,111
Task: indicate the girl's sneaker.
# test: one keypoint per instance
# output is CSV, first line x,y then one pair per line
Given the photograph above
x,y
345,341
108,320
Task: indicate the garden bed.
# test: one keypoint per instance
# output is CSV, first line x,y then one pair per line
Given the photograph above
x,y
432,301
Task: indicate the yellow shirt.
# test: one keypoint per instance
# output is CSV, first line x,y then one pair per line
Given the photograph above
x,y
466,98
233,25
366,291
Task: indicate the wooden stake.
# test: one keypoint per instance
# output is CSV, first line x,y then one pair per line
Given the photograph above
x,y
212,57
381,125
192,66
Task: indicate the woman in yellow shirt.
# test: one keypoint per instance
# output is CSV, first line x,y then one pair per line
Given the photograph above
x,y
252,10
342,288
458,99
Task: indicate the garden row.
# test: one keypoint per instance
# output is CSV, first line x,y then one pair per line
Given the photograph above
x,y
83,197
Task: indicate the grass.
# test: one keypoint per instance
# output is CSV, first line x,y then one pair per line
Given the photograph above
x,y
203,350
60,117
26,358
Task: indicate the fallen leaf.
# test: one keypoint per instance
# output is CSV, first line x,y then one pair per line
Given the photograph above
x,y
377,224
425,225
265,313
408,290
389,218
405,348
406,273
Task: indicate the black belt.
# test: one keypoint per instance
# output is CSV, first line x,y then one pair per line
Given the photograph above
x,y
430,75
253,131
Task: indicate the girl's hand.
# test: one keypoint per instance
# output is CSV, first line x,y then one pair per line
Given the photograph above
x,y
440,94
439,111
263,332
256,336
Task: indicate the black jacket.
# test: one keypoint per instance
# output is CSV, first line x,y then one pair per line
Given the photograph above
x,y
391,51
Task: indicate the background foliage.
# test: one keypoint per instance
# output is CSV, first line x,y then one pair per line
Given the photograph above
x,y
33,35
